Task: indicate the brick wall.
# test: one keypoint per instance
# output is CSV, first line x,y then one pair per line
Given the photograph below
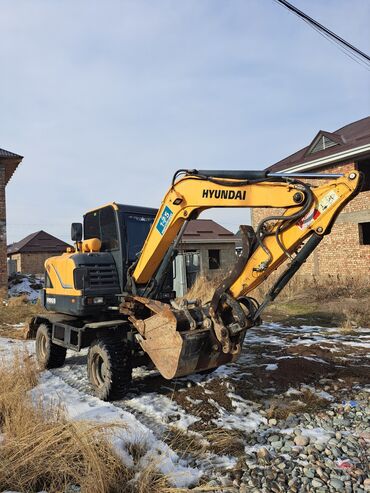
x,y
31,263
340,252
3,268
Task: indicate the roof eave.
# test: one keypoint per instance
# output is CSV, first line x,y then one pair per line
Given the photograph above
x,y
213,240
324,161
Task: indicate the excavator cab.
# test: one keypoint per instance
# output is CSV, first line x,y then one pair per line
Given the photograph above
x,y
89,280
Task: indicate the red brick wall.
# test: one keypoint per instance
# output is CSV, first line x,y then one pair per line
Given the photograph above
x,y
340,252
3,270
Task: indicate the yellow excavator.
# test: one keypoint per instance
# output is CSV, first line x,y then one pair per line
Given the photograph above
x,y
113,292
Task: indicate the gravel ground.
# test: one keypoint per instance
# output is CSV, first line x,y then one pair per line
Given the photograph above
x,y
292,415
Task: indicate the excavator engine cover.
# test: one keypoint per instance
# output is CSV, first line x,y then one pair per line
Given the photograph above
x,y
179,341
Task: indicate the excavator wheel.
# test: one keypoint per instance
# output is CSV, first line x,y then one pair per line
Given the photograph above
x,y
109,367
48,354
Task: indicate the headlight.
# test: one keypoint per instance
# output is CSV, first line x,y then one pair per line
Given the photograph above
x,y
98,300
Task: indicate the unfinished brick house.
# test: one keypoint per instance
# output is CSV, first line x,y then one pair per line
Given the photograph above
x,y
30,253
206,248
346,251
8,164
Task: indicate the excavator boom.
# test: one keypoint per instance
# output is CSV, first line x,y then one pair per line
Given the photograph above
x,y
186,336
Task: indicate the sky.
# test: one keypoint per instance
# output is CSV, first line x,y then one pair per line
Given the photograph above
x,y
106,100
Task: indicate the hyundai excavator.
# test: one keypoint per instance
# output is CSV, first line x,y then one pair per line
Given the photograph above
x,y
113,292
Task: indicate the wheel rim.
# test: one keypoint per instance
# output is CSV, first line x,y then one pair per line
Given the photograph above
x,y
42,343
99,370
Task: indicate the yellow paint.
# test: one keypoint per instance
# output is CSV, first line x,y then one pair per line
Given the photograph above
x,y
265,194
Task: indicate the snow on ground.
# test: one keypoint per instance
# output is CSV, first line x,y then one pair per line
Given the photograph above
x,y
52,390
25,284
279,365
79,406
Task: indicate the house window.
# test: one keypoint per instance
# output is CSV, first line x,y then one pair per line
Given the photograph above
x,y
321,144
213,259
364,230
364,167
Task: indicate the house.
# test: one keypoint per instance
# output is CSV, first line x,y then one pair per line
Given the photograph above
x,y
8,164
206,248
346,251
30,253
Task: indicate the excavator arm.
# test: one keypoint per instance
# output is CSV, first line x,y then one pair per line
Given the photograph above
x,y
185,337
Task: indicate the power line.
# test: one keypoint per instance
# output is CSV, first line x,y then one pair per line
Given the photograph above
x,y
347,48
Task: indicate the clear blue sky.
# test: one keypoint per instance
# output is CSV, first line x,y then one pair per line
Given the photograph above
x,y
105,100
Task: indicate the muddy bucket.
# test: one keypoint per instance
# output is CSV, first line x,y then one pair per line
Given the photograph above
x,y
177,341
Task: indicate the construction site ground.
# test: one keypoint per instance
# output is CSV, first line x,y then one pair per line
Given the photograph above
x,y
291,415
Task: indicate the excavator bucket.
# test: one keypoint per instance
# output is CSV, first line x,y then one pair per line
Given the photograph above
x,y
178,341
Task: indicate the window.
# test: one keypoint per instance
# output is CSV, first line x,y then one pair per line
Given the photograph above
x,y
214,259
364,230
91,225
321,144
102,224
108,229
364,167
137,228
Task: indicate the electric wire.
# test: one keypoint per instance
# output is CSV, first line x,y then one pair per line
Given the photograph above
x,y
347,48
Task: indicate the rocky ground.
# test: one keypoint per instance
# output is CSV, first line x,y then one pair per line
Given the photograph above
x,y
292,415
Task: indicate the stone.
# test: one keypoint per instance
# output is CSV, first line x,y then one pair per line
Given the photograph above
x,y
272,422
277,445
308,472
337,484
263,454
367,484
301,440
316,483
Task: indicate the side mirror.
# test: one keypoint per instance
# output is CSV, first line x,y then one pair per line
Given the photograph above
x,y
76,232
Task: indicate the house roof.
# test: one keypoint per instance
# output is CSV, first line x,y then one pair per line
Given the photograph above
x,y
37,243
346,142
206,231
10,161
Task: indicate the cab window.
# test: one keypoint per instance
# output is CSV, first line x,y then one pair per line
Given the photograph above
x,y
91,225
108,229
102,224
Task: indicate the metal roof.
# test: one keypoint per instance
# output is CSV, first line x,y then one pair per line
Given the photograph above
x,y
38,242
206,230
351,140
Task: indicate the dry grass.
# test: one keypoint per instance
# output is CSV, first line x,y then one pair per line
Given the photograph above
x,y
18,300
308,402
226,442
41,450
316,288
204,287
355,315
341,296
17,311
185,442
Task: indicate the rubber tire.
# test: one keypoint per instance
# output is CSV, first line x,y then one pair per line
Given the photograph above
x,y
113,382
48,354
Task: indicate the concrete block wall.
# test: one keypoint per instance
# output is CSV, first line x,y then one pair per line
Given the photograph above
x,y
340,252
227,256
3,266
